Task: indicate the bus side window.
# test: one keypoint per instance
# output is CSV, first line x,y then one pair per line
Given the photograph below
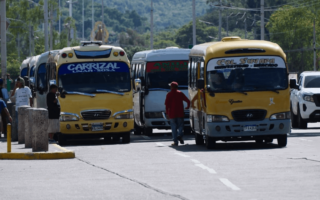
x,y
202,69
197,72
143,70
132,71
189,72
194,74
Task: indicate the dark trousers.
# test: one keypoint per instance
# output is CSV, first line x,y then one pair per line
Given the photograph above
x,y
4,122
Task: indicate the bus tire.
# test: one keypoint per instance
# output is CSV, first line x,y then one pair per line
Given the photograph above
x,y
126,138
282,140
210,142
199,139
62,139
302,124
294,119
147,131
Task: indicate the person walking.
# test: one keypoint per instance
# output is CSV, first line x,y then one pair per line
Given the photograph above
x,y
4,111
53,111
5,97
175,112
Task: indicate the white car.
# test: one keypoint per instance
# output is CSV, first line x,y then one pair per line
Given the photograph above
x,y
305,99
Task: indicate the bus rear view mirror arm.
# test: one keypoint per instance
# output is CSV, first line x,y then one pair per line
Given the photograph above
x,y
200,83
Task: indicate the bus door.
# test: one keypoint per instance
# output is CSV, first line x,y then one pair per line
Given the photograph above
x,y
138,94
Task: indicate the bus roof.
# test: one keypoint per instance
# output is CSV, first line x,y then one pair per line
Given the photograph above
x,y
43,58
236,47
33,60
89,48
25,63
170,53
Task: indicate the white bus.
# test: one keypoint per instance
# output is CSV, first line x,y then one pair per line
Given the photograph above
x,y
41,83
152,71
24,68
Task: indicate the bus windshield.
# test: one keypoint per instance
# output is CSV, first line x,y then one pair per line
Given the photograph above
x,y
240,74
92,76
160,74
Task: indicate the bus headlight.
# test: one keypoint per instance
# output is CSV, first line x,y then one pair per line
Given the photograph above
x,y
128,115
217,118
69,117
283,115
308,98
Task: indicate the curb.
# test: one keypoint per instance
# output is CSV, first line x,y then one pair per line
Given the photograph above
x,y
66,154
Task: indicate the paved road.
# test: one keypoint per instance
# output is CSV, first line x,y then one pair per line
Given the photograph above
x,y
149,168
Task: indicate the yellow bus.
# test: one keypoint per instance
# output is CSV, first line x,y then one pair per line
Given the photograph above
x,y
95,91
239,90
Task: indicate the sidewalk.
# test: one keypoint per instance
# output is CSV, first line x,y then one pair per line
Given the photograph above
x,y
19,152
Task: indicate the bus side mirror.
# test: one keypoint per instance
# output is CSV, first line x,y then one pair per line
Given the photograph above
x,y
200,83
293,84
137,84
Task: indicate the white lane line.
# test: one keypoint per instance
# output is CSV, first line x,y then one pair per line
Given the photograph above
x,y
305,140
195,161
160,144
183,155
145,137
202,166
229,184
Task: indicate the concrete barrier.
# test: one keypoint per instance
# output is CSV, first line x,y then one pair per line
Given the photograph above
x,y
39,129
29,128
22,119
14,128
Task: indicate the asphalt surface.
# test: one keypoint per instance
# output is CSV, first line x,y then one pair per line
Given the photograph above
x,y
148,168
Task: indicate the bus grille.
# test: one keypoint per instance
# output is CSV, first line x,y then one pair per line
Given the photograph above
x,y
249,115
95,114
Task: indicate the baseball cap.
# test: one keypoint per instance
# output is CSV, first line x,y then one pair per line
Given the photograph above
x,y
173,83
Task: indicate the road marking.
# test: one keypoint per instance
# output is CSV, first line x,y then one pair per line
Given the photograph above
x,y
229,184
145,137
195,161
160,144
305,140
183,155
61,148
211,171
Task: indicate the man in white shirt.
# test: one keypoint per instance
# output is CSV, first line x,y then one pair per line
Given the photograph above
x,y
22,95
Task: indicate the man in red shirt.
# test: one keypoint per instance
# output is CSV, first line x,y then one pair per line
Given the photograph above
x,y
175,112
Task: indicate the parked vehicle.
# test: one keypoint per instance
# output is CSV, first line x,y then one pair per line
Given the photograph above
x,y
152,71
239,91
305,99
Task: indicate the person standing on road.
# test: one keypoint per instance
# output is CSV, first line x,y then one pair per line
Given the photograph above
x,y
175,112
5,97
21,95
53,111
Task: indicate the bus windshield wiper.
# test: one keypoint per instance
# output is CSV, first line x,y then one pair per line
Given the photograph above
x,y
80,93
155,89
111,92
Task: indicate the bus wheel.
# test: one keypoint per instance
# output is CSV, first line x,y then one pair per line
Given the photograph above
x,y
282,140
147,131
126,138
210,142
199,139
302,124
62,140
294,119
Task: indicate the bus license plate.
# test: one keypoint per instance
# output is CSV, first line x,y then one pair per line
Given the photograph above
x,y
250,128
97,127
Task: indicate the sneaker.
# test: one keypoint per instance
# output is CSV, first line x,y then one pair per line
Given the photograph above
x,y
180,140
174,144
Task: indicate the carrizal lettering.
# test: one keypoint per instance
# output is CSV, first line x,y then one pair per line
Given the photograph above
x,y
231,101
92,67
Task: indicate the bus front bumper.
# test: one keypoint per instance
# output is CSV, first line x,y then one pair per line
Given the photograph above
x,y
247,129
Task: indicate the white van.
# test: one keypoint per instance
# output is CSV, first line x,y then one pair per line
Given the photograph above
x,y
152,71
41,83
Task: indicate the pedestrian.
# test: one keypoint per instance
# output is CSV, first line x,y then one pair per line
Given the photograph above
x,y
5,97
175,112
9,81
53,111
21,95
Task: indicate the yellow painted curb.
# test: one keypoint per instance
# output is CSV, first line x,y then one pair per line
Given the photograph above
x,y
66,154
40,155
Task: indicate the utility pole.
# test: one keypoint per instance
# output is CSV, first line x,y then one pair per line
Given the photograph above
x,y
45,25
18,47
30,51
59,19
32,40
102,19
51,28
314,46
194,38
245,27
70,15
82,19
3,40
92,20
151,25
220,21
262,19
